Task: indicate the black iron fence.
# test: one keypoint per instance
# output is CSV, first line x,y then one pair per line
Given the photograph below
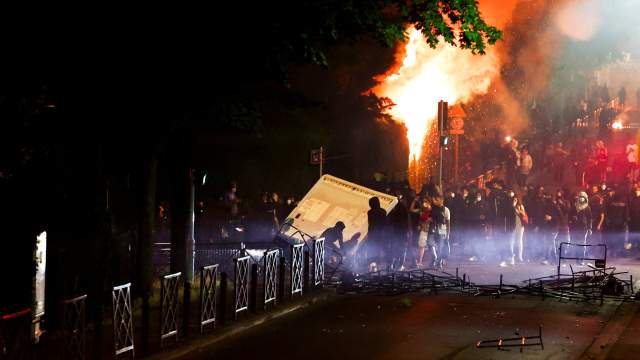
x,y
122,321
261,274
73,328
169,285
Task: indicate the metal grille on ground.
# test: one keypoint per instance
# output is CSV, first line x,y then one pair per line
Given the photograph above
x,y
589,285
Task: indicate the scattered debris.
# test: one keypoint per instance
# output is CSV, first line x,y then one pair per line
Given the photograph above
x,y
595,284
520,341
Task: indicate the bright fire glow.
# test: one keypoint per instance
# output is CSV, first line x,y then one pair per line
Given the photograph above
x,y
424,77
617,125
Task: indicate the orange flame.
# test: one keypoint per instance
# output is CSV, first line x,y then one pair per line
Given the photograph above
x,y
424,77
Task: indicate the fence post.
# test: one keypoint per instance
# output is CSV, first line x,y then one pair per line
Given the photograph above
x,y
186,306
306,270
253,291
318,262
297,269
222,308
169,290
282,271
122,320
73,328
208,277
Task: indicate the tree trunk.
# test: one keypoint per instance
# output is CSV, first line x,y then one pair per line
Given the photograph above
x,y
145,246
182,241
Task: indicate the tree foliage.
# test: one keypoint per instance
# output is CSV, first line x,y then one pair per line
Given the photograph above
x,y
298,31
273,36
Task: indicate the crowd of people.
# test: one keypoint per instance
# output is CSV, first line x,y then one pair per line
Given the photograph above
x,y
541,195
509,220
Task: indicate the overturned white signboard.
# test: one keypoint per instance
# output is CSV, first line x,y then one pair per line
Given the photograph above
x,y
331,200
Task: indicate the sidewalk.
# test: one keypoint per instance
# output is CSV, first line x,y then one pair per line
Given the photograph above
x,y
626,345
246,322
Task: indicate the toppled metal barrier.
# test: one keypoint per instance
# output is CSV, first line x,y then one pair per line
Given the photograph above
x,y
595,284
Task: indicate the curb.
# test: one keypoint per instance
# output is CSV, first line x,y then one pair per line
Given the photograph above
x,y
608,337
200,342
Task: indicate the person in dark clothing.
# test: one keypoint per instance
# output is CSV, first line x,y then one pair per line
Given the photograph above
x,y
377,219
400,233
478,226
580,222
333,236
455,203
563,205
616,224
597,210
549,223
533,208
634,218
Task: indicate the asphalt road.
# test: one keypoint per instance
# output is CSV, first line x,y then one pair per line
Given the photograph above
x,y
424,326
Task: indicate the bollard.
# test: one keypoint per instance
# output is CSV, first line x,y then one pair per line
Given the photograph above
x,y
306,271
393,281
433,285
222,305
186,308
631,283
457,278
541,290
253,289
281,277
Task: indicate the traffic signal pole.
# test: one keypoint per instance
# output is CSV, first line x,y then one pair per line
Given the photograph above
x,y
443,109
321,159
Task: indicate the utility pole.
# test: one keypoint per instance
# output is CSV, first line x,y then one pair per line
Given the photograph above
x,y
456,128
443,109
321,159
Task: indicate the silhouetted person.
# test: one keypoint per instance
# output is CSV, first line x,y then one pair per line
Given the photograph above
x,y
400,230
377,219
634,217
617,216
333,235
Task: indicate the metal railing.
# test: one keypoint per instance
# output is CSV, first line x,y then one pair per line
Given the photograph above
x,y
15,336
241,285
297,275
270,284
261,277
318,261
208,278
122,321
73,327
600,263
169,285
